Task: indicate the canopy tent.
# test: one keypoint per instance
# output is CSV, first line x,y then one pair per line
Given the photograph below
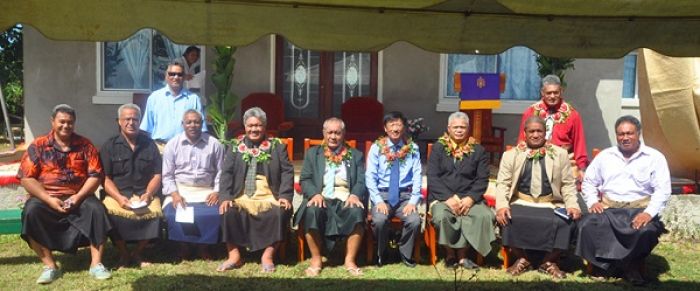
x,y
669,101
571,28
557,28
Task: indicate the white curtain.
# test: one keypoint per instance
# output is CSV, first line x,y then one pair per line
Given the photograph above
x,y
136,56
174,50
519,64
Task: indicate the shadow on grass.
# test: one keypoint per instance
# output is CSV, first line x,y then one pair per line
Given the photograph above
x,y
256,283
20,260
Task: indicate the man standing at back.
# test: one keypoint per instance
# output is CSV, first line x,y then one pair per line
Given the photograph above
x,y
563,124
166,106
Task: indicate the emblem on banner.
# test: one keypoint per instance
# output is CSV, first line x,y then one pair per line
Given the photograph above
x,y
480,82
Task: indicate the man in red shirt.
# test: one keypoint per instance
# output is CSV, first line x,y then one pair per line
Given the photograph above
x,y
563,123
61,171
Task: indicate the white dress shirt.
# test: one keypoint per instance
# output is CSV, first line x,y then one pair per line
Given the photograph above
x,y
644,174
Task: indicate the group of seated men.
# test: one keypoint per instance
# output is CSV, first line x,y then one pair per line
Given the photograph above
x,y
241,194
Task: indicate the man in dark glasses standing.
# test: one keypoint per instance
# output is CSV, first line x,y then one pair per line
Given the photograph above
x,y
165,107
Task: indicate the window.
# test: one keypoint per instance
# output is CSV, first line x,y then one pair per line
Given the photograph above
x,y
518,64
629,76
136,64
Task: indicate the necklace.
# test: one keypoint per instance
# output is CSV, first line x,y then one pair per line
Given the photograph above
x,y
337,158
455,150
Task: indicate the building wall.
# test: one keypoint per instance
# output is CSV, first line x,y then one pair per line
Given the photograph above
x,y
65,72
411,84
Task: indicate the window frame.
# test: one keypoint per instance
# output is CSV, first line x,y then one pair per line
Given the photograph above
x,y
631,103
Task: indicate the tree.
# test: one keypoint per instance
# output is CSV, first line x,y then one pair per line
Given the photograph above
x,y
11,68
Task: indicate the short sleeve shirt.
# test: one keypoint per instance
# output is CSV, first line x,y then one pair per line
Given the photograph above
x,y
61,173
131,170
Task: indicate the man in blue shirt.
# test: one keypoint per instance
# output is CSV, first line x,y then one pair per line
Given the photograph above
x,y
166,106
393,178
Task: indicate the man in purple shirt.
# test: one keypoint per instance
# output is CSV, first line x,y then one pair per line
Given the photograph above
x,y
191,170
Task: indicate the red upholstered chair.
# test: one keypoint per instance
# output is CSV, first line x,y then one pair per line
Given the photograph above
x,y
273,106
363,117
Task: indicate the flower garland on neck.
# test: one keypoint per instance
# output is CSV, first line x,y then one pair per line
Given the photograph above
x,y
536,154
455,150
560,116
337,158
390,155
261,153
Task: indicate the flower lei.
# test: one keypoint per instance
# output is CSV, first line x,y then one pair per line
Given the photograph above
x,y
454,150
536,154
385,150
261,153
560,116
337,159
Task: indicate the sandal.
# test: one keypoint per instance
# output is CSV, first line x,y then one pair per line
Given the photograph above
x,y
139,262
450,263
356,271
553,270
521,265
312,271
268,268
225,266
123,263
468,264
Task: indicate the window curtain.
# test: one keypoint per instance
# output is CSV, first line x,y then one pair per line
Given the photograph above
x,y
173,50
136,53
520,67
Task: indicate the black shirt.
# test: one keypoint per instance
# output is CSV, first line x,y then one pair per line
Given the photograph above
x,y
131,170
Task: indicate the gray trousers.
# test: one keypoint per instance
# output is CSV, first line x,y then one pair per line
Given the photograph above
x,y
381,226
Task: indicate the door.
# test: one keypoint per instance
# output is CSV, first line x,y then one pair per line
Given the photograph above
x,y
315,84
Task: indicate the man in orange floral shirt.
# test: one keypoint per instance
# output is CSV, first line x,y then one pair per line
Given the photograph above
x,y
564,127
61,171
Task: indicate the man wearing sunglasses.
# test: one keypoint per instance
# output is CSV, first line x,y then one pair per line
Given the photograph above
x,y
166,106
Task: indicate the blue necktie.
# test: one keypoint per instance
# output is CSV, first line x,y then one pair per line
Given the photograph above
x,y
394,183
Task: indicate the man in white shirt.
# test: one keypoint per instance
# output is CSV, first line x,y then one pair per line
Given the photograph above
x,y
625,188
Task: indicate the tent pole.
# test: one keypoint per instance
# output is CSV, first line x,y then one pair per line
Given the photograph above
x,y
7,119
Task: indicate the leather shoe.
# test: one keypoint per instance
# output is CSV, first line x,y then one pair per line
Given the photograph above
x,y
521,265
633,276
553,270
408,262
380,261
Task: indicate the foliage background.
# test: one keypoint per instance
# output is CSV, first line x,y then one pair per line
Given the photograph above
x,y
11,69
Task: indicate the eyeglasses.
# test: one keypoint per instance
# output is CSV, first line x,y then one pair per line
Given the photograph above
x,y
173,74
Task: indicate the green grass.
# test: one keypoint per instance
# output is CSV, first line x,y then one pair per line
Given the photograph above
x,y
675,266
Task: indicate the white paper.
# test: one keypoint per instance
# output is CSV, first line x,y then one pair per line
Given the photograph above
x,y
138,204
184,215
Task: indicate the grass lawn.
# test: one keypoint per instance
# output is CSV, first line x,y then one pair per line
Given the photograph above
x,y
674,266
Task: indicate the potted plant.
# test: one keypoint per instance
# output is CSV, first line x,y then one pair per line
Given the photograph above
x,y
554,66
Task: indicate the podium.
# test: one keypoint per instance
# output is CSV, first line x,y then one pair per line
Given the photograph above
x,y
479,94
